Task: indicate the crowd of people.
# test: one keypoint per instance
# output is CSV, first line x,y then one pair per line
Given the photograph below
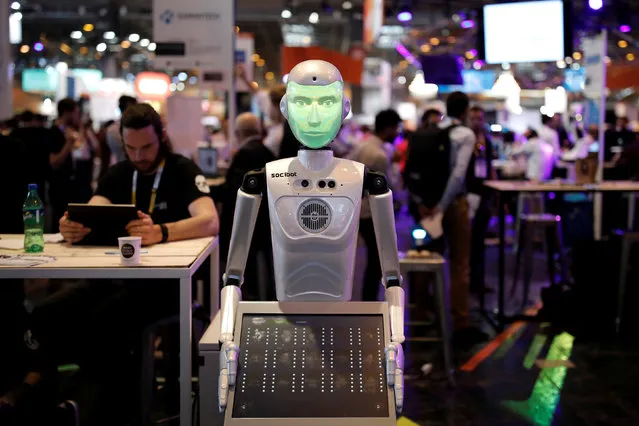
x,y
441,166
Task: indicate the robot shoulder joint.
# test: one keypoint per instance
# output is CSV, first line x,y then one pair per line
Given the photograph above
x,y
254,182
375,182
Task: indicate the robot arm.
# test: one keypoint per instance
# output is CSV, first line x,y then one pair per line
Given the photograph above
x,y
380,198
249,197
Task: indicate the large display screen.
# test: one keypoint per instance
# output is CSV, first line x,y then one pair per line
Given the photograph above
x,y
534,31
311,366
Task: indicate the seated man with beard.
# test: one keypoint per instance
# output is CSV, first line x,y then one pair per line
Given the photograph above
x,y
97,324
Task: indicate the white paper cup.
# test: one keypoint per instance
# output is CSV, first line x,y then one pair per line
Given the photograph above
x,y
130,248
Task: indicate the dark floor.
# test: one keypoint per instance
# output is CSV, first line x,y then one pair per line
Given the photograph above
x,y
539,376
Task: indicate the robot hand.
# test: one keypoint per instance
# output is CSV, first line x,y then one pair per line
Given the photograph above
x,y
228,372
395,372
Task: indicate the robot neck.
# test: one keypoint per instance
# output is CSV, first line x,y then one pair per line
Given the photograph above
x,y
315,159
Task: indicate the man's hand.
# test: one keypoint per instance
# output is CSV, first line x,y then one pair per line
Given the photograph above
x,y
72,232
144,227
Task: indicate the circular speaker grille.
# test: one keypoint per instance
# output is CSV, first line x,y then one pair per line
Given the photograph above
x,y
314,215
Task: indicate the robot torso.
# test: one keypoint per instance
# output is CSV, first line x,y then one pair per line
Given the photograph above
x,y
314,205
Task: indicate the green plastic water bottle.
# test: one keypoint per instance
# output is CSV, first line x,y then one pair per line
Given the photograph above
x,y
33,219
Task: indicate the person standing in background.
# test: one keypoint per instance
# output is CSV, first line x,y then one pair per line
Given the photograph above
x,y
456,219
483,171
373,155
113,136
36,140
548,133
431,118
251,155
65,139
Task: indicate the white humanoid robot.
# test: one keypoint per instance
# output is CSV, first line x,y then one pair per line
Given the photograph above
x,y
314,203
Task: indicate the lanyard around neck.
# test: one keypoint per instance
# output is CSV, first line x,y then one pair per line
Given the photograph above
x,y
156,184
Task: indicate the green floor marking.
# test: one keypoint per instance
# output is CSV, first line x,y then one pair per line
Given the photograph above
x,y
539,409
534,350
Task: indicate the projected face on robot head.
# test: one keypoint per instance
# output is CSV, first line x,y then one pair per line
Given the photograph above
x,y
315,104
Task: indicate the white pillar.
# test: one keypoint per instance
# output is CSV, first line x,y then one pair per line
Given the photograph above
x,y
6,65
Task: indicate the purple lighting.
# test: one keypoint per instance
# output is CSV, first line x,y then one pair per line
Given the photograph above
x,y
469,23
624,28
407,55
595,4
38,47
404,16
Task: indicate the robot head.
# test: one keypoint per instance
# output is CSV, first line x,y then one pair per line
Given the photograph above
x,y
315,104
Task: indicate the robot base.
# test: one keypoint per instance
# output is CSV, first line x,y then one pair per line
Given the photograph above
x,y
302,364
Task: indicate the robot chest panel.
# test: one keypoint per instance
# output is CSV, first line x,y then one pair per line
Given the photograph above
x,y
314,205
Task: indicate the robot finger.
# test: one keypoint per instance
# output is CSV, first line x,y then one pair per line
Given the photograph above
x,y
223,390
399,390
391,364
232,352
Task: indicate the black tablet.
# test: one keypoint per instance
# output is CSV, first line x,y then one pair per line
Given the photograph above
x,y
107,222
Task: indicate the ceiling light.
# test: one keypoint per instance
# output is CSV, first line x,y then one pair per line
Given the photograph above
x,y
144,42
622,43
434,41
24,48
576,56
76,35
595,4
401,79
269,76
469,23
425,48
182,76
38,47
125,44
347,5
88,27
133,38
180,87
286,13
152,47
15,5
420,89
561,64
109,35
101,47
630,57
624,28
260,63
477,65
404,14
313,18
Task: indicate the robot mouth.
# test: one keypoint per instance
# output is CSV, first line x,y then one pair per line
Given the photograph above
x,y
314,133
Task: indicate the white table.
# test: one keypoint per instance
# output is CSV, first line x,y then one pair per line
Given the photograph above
x,y
176,260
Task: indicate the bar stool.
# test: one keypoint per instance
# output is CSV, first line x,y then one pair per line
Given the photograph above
x,y
434,263
530,225
527,203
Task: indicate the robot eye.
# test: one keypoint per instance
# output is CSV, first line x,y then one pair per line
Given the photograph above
x,y
314,78
328,103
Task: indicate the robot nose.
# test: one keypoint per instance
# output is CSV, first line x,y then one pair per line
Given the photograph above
x,y
314,118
